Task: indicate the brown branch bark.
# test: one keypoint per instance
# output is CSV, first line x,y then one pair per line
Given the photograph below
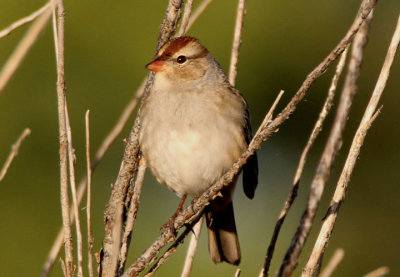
x,y
314,134
59,38
324,167
371,112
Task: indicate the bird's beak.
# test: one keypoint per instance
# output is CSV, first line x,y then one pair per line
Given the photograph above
x,y
156,65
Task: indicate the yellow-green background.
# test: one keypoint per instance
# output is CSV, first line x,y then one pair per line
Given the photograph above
x,y
107,45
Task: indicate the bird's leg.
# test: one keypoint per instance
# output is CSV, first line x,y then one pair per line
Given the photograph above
x,y
170,223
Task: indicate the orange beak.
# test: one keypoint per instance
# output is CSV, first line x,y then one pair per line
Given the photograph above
x,y
156,65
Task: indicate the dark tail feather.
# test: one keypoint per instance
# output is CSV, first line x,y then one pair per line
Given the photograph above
x,y
223,243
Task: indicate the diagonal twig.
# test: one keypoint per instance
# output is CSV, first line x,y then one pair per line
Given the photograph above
x,y
14,152
370,113
327,158
22,48
314,134
6,31
333,263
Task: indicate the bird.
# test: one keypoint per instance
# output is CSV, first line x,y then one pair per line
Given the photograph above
x,y
194,126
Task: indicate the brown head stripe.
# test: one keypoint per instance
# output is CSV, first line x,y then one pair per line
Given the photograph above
x,y
174,45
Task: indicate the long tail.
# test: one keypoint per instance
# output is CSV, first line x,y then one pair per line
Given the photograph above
x,y
223,243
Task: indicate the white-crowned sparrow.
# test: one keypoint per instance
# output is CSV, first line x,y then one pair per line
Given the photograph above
x,y
194,126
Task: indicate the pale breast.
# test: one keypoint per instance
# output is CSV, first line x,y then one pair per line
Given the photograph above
x,y
190,139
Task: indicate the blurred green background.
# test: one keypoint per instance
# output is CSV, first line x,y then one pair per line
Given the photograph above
x,y
107,45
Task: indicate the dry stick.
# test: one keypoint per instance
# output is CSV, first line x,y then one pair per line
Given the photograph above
x,y
171,250
14,152
341,187
6,31
89,195
75,205
236,41
324,167
105,145
314,134
131,217
24,45
333,263
185,18
200,9
379,272
191,251
265,132
129,164
63,139
237,273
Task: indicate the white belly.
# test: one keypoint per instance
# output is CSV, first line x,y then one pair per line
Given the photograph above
x,y
187,143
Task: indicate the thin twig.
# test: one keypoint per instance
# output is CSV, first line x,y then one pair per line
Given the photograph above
x,y
314,134
379,272
327,158
24,45
129,164
131,218
6,31
341,187
14,152
185,17
333,263
63,138
171,250
200,9
89,196
191,251
236,41
75,205
237,273
265,132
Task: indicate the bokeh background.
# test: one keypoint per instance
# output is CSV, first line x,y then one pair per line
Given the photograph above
x,y
107,45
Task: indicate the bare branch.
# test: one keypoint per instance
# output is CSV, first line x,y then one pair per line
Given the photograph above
x,y
237,273
200,9
314,134
89,196
185,18
75,205
266,130
6,31
191,251
236,41
24,45
131,218
324,167
379,272
59,38
333,263
14,152
341,187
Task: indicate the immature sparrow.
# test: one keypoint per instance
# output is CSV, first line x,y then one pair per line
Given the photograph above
x,y
194,126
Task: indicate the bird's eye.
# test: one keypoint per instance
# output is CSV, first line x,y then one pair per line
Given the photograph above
x,y
181,59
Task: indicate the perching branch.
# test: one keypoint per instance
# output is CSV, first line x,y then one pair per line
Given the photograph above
x,y
314,134
370,113
265,131
14,152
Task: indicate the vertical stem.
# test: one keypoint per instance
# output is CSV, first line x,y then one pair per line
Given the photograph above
x,y
59,37
236,41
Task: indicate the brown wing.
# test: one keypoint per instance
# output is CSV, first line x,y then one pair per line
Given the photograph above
x,y
250,169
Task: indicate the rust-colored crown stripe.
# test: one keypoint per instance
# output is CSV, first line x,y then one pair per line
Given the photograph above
x,y
174,46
